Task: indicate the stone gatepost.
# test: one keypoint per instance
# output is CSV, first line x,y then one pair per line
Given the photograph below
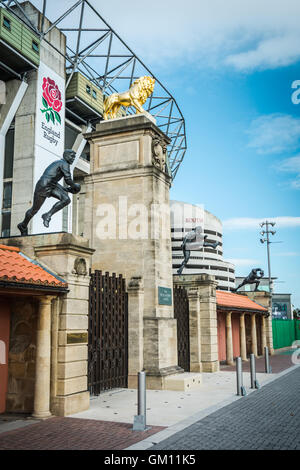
x,y
209,328
62,336
201,290
70,257
127,219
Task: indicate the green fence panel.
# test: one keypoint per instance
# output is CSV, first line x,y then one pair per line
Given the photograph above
x,y
285,332
297,329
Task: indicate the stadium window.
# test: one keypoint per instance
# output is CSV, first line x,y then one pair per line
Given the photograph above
x,y
6,23
7,192
5,229
35,46
94,94
88,89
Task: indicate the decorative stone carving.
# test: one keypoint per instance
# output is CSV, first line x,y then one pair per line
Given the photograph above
x,y
159,153
80,267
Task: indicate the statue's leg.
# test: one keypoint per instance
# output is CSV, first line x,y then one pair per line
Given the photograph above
x,y
186,255
38,201
59,193
115,110
237,288
211,245
256,286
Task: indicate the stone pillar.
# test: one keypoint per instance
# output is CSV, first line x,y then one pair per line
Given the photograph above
x,y
135,329
127,219
269,334
195,331
206,313
43,358
229,345
263,334
69,257
253,335
243,338
209,329
263,298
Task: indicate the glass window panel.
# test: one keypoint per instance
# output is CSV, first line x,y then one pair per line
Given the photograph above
x,y
7,191
9,154
5,230
70,137
6,23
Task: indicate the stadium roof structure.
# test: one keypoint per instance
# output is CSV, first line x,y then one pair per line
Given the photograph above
x,y
97,51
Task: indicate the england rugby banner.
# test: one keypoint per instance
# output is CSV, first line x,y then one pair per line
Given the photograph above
x,y
50,135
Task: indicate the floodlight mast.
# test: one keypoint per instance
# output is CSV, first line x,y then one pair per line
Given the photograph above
x,y
267,232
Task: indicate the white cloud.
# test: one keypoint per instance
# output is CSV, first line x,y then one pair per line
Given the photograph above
x,y
242,34
241,223
291,165
274,133
243,261
269,53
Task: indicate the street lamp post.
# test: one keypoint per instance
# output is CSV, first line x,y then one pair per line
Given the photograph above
x,y
267,232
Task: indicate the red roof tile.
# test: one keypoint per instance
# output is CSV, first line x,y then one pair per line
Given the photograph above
x,y
229,299
18,268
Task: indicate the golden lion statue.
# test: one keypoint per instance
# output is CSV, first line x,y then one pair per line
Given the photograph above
x,y
136,96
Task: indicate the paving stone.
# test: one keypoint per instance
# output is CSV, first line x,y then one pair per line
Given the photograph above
x,y
266,419
72,433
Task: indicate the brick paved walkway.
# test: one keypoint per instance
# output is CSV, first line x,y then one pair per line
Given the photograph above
x,y
267,419
279,362
72,433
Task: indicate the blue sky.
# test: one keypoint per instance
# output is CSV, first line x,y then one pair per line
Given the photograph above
x,y
230,65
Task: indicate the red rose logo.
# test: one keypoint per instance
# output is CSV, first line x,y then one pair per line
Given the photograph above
x,y
51,100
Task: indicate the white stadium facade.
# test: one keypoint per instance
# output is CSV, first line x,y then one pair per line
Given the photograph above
x,y
185,217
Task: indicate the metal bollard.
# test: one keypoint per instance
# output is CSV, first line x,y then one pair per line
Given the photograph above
x,y
239,378
267,361
139,423
254,382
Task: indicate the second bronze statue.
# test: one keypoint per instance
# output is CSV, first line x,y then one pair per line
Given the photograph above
x,y
48,186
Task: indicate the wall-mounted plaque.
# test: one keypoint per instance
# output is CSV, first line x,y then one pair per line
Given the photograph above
x,y
73,338
164,296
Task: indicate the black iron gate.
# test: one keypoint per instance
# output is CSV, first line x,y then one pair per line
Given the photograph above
x,y
181,313
108,333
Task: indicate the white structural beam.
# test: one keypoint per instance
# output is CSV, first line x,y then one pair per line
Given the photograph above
x,y
78,147
8,111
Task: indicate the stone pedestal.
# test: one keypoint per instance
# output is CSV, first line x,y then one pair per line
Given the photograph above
x,y
127,219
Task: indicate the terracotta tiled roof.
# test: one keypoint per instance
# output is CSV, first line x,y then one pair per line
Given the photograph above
x,y
238,301
18,268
